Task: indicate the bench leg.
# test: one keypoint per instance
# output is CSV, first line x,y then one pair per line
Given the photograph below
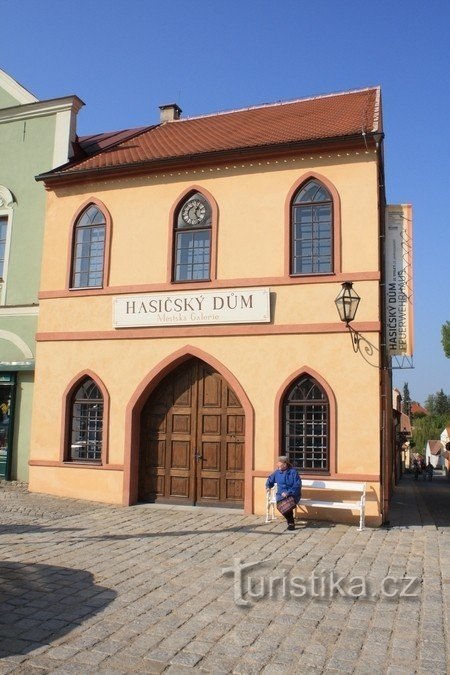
x,y
270,512
362,517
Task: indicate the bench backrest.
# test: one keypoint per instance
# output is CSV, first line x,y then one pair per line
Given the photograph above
x,y
346,486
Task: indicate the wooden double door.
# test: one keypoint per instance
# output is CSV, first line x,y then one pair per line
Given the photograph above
x,y
192,440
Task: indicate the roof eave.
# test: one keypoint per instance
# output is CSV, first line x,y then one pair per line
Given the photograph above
x,y
362,140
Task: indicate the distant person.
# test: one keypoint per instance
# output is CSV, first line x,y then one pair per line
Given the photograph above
x,y
430,470
416,469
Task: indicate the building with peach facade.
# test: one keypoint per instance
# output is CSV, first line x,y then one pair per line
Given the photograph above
x,y
188,332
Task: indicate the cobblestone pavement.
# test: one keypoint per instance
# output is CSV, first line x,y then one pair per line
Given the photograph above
x,y
90,588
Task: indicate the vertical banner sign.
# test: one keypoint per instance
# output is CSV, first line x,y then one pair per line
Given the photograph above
x,y
399,280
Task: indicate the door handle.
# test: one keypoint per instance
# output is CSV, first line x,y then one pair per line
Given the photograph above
x,y
198,456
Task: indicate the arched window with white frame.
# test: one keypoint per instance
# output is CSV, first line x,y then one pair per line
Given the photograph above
x,y
192,239
88,249
312,230
6,217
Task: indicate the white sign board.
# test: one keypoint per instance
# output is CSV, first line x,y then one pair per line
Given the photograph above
x,y
250,305
398,296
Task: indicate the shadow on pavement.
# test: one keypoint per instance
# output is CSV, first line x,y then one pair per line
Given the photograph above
x,y
14,528
420,503
258,528
40,603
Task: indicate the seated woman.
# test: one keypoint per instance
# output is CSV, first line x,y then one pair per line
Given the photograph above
x,y
289,486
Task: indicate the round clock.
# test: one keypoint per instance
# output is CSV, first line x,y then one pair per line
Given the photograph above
x,y
193,212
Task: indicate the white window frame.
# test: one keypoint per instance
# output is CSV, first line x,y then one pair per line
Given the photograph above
x,y
6,209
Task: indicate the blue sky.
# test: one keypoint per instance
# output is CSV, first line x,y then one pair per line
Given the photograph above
x,y
124,59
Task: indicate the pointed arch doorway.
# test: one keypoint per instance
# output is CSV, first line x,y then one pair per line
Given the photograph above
x,y
192,432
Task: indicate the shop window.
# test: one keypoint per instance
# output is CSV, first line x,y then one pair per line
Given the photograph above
x,y
7,407
306,425
192,239
88,253
86,423
312,230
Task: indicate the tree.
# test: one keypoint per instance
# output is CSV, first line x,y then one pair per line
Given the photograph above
x,y
438,404
445,332
406,400
428,428
442,403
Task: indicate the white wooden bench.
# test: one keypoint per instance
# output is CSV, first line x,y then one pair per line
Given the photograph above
x,y
324,486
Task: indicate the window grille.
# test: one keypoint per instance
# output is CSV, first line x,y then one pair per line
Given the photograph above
x,y
86,423
306,425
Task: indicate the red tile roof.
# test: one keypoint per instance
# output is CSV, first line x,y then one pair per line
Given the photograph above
x,y
417,409
405,423
98,142
334,116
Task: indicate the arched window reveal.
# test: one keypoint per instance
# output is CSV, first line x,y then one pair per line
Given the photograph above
x,y
89,249
306,425
6,217
312,230
86,423
3,240
192,240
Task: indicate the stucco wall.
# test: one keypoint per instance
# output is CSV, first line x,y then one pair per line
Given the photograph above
x,y
22,426
76,332
27,149
251,223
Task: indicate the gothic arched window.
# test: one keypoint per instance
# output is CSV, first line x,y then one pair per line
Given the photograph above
x,y
306,425
88,252
312,230
192,240
86,423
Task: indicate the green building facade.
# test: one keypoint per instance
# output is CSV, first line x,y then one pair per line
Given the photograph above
x,y
35,136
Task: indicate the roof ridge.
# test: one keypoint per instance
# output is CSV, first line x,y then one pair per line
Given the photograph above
x,y
376,88
377,109
272,125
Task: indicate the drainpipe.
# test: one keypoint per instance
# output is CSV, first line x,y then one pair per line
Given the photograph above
x,y
385,363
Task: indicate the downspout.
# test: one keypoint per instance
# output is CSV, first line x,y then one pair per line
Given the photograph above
x,y
385,364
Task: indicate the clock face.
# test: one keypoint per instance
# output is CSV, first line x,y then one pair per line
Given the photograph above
x,y
193,212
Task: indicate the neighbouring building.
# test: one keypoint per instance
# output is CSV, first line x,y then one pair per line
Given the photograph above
x,y
401,435
418,410
188,332
433,454
445,440
35,136
445,436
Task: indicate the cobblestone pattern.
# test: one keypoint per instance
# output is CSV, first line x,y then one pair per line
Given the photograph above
x,y
89,588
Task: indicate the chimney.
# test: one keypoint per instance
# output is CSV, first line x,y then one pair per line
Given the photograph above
x,y
169,112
